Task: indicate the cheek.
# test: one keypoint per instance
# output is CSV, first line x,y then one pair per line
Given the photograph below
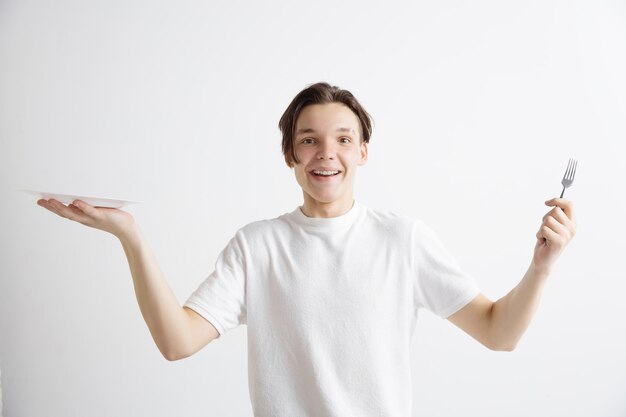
x,y
303,156
300,173
350,159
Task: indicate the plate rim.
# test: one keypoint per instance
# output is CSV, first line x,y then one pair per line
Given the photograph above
x,y
80,197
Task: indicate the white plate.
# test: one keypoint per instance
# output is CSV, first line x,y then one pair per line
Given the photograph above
x,y
92,201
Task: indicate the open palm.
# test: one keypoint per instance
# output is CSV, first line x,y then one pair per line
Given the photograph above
x,y
111,220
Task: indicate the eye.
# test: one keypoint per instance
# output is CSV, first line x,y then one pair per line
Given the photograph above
x,y
345,140
307,140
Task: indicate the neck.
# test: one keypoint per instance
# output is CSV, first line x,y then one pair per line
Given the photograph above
x,y
313,208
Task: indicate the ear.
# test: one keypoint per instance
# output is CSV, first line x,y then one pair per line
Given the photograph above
x,y
364,154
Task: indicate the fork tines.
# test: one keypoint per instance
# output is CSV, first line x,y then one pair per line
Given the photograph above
x,y
568,177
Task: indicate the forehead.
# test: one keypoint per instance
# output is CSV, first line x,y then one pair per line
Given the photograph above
x,y
326,117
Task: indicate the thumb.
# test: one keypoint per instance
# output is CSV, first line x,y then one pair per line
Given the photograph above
x,y
82,205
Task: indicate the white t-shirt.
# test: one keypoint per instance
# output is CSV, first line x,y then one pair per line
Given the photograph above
x,y
330,306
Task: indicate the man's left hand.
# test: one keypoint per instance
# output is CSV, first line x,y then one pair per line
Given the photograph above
x,y
556,231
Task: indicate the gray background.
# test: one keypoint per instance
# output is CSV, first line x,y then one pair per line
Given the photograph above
x,y
477,108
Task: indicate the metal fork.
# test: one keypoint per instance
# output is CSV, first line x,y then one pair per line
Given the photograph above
x,y
568,177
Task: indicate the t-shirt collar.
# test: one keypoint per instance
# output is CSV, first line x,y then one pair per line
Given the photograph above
x,y
345,219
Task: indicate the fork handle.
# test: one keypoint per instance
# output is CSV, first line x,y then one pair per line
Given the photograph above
x,y
562,192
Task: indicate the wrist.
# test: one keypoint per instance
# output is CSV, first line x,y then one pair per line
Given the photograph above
x,y
538,272
129,235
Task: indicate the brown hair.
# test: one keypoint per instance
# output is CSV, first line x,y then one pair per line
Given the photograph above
x,y
320,93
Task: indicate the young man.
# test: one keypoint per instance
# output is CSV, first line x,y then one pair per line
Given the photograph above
x,y
330,291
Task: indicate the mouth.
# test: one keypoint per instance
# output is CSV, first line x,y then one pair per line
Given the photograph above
x,y
325,173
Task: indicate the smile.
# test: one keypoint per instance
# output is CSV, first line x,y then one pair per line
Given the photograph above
x,y
325,173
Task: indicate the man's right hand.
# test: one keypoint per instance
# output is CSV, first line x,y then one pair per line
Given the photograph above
x,y
178,332
114,221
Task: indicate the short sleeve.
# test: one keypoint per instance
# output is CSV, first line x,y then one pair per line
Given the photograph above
x,y
441,286
221,298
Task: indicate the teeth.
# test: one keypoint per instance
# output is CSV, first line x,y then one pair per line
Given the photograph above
x,y
325,172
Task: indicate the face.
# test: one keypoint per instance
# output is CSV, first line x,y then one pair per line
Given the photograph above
x,y
327,138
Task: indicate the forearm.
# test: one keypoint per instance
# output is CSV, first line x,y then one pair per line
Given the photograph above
x,y
511,314
166,319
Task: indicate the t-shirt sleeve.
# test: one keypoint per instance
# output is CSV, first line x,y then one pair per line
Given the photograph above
x,y
221,297
441,285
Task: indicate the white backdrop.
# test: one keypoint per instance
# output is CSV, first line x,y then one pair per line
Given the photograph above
x,y
477,108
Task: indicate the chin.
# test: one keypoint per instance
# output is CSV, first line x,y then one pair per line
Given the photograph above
x,y
324,200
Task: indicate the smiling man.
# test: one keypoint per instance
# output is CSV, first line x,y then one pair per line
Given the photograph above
x,y
327,145
330,292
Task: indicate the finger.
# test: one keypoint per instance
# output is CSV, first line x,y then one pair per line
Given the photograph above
x,y
569,224
552,238
93,213
69,212
45,204
75,210
558,214
85,208
566,205
558,228
562,218
51,205
80,216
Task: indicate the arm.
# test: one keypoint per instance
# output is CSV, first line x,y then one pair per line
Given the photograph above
x,y
500,325
178,332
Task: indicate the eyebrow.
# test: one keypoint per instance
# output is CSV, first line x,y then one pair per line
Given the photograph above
x,y
311,130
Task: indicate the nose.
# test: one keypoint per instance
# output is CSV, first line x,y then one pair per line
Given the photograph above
x,y
326,150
